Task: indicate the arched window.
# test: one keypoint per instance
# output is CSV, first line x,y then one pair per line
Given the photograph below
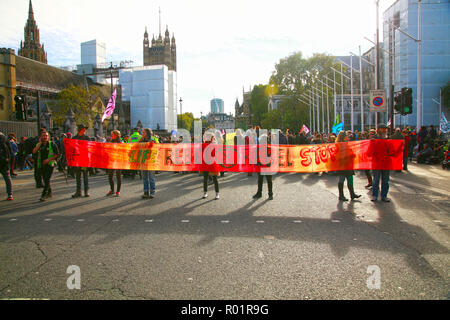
x,y
2,101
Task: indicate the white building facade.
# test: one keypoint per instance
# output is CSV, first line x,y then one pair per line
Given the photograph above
x,y
152,93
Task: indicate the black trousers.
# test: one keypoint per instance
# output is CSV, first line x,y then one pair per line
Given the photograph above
x,y
37,175
205,182
47,172
260,183
78,171
111,179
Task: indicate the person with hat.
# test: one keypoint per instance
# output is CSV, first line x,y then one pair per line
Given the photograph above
x,y
382,175
79,170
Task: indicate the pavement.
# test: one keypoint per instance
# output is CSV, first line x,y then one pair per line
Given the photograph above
x,y
303,245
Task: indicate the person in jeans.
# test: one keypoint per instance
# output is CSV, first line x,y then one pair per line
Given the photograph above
x,y
5,159
345,174
47,152
382,175
148,176
213,174
79,170
115,138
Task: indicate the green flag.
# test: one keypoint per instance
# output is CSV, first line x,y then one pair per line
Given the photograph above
x,y
336,121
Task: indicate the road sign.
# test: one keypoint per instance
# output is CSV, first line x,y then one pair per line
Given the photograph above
x,y
378,101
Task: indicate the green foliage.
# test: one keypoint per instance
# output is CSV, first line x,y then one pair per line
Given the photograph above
x,y
185,121
86,104
294,76
259,103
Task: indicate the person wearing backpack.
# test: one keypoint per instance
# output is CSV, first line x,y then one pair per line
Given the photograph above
x,y
5,159
46,154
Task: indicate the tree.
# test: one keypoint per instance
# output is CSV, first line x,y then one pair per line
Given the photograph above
x,y
259,103
293,76
85,103
185,120
446,96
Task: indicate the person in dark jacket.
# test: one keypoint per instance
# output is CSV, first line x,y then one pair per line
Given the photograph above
x,y
115,138
78,170
345,174
14,151
5,159
46,154
261,176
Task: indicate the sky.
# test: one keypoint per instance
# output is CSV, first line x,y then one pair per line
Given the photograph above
x,y
223,47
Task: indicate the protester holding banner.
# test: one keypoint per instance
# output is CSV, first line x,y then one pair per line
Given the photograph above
x,y
148,177
213,174
345,174
263,138
47,152
115,138
382,175
81,170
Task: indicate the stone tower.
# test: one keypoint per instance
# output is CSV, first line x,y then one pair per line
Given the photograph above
x,y
161,51
31,48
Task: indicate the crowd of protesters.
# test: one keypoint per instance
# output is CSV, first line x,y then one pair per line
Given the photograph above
x,y
45,152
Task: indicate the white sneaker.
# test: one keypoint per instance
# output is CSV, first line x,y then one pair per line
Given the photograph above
x,y
217,196
205,195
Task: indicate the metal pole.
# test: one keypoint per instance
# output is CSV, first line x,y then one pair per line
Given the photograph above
x,y
318,111
342,95
392,86
323,111
351,89
310,115
328,108
361,88
313,112
377,61
334,96
38,109
419,73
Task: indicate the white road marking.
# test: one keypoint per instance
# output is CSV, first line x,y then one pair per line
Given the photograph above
x,y
48,219
260,221
437,221
297,221
185,221
115,220
13,219
336,221
225,221
149,221
80,220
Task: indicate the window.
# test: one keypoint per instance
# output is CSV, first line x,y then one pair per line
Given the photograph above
x,y
2,99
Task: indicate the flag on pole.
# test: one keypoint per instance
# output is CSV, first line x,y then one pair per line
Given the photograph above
x,y
111,106
336,121
337,128
305,129
444,125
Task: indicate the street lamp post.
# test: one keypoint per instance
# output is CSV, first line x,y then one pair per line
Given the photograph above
x,y
181,112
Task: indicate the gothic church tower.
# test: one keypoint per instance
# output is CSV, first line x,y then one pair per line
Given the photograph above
x,y
31,47
161,51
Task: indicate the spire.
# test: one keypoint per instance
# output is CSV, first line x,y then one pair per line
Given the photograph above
x,y
30,11
159,21
145,33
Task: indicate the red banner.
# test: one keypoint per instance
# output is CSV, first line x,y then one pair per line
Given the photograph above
x,y
355,155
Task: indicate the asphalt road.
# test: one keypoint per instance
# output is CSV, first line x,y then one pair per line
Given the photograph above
x,y
304,244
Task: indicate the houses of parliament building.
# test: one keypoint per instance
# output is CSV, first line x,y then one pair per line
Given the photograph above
x,y
161,51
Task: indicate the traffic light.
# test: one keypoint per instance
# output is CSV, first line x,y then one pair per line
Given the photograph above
x,y
407,103
19,108
398,102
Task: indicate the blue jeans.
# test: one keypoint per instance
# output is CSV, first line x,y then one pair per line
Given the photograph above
x,y
384,175
148,177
